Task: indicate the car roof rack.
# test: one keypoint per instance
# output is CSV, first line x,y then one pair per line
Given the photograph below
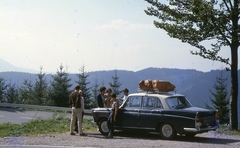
x,y
154,91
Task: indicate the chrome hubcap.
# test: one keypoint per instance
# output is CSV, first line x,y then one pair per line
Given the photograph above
x,y
104,127
167,130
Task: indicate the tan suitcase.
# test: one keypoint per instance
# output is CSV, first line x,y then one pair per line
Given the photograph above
x,y
162,86
145,85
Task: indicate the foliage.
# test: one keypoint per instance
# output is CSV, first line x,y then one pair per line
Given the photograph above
x,y
12,94
95,92
59,91
196,21
199,22
224,129
220,100
85,90
26,93
3,87
115,84
56,124
41,90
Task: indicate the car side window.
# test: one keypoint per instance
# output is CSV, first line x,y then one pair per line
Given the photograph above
x,y
151,103
133,102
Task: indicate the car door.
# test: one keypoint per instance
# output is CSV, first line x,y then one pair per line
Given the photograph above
x,y
129,113
150,113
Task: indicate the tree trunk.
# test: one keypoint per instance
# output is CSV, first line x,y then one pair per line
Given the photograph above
x,y
234,89
234,68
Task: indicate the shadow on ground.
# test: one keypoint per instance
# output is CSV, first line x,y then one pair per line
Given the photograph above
x,y
155,136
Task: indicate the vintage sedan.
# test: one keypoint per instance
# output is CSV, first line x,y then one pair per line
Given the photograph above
x,y
167,113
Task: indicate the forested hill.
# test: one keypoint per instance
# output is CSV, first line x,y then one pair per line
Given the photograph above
x,y
194,84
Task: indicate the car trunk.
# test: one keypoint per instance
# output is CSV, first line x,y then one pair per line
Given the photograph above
x,y
206,117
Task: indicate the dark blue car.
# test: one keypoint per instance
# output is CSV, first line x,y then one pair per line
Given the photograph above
x,y
165,113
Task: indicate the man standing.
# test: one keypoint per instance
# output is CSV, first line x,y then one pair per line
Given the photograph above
x,y
101,97
82,110
75,102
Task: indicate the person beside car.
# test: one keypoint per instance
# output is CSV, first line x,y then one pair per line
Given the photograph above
x,y
75,102
101,97
82,108
125,94
113,115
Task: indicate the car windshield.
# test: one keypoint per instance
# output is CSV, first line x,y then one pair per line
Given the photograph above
x,y
178,102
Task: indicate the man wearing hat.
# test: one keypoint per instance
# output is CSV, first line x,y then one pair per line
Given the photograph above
x,y
125,94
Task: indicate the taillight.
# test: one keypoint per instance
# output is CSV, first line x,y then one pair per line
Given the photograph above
x,y
197,121
217,119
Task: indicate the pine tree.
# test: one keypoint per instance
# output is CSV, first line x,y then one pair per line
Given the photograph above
x,y
3,87
41,90
115,84
220,100
82,76
95,92
60,88
12,94
26,94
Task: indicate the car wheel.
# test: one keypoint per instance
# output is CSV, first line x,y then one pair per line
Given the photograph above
x,y
103,127
167,131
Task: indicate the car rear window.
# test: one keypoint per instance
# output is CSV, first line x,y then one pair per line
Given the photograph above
x,y
178,102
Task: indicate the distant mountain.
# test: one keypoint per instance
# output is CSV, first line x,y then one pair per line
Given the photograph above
x,y
5,66
196,85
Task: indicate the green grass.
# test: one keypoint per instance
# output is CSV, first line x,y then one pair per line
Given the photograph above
x,y
57,124
224,129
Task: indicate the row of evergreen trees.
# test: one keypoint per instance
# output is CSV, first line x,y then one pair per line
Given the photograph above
x,y
55,93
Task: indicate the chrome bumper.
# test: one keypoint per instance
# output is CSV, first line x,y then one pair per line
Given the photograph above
x,y
195,130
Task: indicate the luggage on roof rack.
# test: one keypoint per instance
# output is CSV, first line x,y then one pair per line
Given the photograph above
x,y
156,85
162,86
145,85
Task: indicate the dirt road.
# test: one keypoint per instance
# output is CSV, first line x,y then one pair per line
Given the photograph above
x,y
125,140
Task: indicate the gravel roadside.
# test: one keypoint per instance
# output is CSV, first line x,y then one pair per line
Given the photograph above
x,y
124,140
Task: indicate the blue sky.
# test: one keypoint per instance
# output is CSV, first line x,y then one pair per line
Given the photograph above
x,y
99,34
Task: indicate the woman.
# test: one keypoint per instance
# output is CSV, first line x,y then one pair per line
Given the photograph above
x,y
113,115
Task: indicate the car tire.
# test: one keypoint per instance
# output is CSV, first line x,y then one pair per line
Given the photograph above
x,y
103,127
167,131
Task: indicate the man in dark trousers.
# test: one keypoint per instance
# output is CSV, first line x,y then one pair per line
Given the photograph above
x,y
101,97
